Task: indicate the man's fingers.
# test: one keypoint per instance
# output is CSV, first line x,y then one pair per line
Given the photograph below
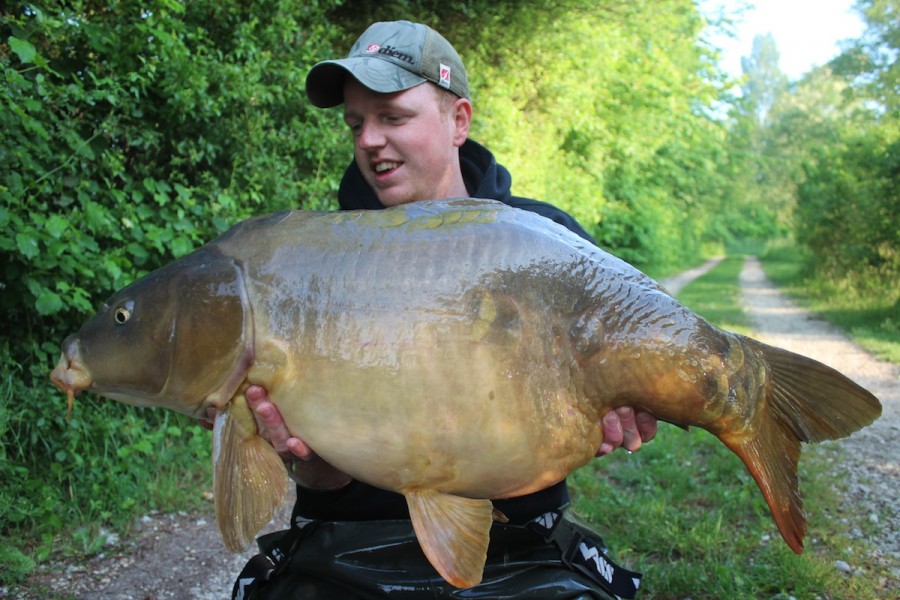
x,y
272,427
631,437
298,448
255,395
612,433
628,428
646,425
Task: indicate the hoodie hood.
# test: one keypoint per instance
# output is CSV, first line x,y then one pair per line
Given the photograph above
x,y
483,176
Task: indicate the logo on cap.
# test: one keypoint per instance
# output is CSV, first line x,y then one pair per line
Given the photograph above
x,y
373,48
445,76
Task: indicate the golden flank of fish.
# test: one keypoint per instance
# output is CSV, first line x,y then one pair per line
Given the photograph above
x,y
452,351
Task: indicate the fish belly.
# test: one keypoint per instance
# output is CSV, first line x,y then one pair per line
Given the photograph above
x,y
427,350
436,407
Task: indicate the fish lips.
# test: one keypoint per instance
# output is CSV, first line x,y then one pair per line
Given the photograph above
x,y
70,375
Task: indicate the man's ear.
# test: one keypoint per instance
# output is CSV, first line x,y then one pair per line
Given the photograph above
x,y
462,120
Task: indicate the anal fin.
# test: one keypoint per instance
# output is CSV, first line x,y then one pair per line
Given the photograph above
x,y
249,478
454,533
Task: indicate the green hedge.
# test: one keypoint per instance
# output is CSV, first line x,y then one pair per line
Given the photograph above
x,y
132,133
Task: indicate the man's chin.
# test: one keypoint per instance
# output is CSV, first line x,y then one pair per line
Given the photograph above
x,y
395,199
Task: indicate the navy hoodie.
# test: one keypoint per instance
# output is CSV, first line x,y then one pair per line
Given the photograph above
x,y
357,501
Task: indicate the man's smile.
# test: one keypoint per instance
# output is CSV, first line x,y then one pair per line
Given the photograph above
x,y
383,167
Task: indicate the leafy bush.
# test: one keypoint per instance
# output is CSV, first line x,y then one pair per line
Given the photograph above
x,y
849,206
133,132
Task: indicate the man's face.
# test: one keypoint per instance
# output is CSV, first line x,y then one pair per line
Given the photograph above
x,y
406,144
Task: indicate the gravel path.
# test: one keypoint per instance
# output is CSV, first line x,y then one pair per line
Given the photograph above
x,y
171,556
869,459
180,556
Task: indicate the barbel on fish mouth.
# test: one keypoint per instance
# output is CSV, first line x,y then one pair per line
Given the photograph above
x,y
452,351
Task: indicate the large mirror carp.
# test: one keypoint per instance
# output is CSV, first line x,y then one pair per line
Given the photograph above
x,y
452,351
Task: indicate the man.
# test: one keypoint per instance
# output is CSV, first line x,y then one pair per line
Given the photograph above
x,y
406,101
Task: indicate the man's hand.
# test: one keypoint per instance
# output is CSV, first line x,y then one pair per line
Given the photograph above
x,y
627,428
305,467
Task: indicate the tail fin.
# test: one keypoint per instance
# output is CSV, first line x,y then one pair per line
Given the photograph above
x,y
806,402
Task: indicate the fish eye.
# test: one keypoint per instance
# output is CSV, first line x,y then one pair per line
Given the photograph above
x,y
122,314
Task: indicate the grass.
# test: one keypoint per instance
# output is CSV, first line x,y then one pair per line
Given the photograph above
x,y
865,307
716,296
686,513
658,272
68,483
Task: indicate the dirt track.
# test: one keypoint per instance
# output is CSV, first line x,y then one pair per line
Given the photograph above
x,y
180,556
870,459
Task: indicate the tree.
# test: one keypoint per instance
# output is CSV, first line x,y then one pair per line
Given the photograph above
x,y
760,200
873,59
599,113
764,81
849,200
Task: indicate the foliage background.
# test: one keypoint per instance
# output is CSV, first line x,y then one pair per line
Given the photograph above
x,y
133,132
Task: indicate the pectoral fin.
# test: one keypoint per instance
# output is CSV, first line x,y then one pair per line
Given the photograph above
x,y
454,533
249,478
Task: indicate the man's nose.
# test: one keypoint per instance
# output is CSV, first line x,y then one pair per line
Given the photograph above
x,y
370,136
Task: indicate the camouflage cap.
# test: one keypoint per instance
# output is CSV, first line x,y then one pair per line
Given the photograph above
x,y
390,57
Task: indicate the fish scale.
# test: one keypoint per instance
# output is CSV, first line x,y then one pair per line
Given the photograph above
x,y
455,352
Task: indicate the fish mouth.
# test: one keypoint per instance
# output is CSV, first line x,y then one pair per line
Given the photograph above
x,y
71,377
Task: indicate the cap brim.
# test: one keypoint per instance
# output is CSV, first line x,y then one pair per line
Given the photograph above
x,y
325,81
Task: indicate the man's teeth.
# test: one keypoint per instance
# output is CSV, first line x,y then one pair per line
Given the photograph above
x,y
386,166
